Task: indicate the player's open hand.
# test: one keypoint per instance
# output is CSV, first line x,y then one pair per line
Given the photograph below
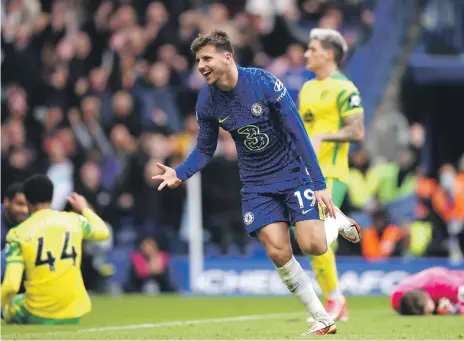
x,y
169,178
78,202
324,198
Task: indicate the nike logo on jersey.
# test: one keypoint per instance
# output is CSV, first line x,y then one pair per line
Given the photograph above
x,y
306,211
222,120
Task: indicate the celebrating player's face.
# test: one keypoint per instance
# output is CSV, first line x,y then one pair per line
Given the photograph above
x,y
17,208
316,56
212,63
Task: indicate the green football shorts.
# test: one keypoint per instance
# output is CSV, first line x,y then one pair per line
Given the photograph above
x,y
16,313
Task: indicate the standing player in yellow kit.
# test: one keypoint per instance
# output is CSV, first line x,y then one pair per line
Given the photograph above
x,y
330,106
48,246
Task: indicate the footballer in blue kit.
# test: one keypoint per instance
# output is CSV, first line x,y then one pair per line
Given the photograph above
x,y
268,135
282,182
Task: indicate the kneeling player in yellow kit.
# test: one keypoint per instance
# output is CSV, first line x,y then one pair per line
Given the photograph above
x,y
330,106
48,246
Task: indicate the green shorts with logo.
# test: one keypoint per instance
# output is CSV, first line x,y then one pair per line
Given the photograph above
x,y
16,313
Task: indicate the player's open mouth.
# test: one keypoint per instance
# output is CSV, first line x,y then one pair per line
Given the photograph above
x,y
206,74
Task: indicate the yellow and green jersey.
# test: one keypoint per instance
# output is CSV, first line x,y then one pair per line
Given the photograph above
x,y
48,247
323,105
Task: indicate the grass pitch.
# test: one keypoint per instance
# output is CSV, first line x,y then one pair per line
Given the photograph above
x,y
234,318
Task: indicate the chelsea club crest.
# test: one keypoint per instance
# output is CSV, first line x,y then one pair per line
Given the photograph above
x,y
248,218
257,109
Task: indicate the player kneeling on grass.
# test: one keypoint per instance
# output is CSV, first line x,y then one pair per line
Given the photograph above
x,y
274,157
433,291
48,247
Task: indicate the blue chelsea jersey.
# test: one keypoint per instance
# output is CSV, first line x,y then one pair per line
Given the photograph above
x,y
272,145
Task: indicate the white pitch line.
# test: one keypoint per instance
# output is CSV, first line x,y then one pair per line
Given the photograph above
x,y
166,324
178,323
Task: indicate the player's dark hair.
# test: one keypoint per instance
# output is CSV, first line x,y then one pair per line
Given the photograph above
x,y
217,38
13,189
38,189
413,303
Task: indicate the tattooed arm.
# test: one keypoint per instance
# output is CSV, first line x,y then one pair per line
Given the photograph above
x,y
352,130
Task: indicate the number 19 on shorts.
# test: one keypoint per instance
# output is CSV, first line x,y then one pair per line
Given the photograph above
x,y
308,195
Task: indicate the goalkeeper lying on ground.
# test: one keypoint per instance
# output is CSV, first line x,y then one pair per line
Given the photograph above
x,y
433,291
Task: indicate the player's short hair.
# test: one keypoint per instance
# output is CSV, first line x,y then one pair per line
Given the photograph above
x,y
413,303
38,189
13,189
217,38
330,39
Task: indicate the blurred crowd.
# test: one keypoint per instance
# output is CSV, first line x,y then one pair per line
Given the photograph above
x,y
94,93
403,210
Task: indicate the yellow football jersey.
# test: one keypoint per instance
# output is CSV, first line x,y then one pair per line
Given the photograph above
x,y
49,244
323,104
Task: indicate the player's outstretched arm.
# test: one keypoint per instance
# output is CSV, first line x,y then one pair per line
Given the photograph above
x,y
208,132
93,226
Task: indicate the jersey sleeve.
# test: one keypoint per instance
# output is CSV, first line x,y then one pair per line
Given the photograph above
x,y
349,100
277,95
93,227
13,248
208,132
